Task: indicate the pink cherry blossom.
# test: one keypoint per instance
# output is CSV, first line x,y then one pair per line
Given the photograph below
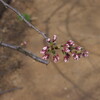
x,y
75,56
42,51
45,48
54,38
67,45
66,58
70,42
56,58
48,40
78,48
45,57
85,54
66,49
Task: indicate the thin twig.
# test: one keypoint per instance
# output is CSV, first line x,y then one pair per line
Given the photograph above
x,y
27,22
9,90
25,52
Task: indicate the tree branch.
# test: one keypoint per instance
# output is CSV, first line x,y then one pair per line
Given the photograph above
x,y
27,22
25,52
18,48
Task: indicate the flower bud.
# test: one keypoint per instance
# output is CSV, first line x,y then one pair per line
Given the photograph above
x,y
48,40
85,54
78,48
70,42
45,48
54,38
23,43
56,58
66,58
45,57
75,56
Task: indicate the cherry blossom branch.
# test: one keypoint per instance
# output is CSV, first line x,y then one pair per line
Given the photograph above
x,y
68,49
23,51
27,22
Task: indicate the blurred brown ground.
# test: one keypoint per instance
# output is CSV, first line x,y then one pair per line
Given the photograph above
x,y
78,20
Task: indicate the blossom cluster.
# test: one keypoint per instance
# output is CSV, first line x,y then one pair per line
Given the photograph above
x,y
69,49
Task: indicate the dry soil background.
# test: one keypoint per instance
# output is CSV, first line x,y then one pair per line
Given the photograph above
x,y
78,20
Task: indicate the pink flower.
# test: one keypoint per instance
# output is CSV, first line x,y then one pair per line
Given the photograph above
x,y
46,56
67,45
66,49
56,58
48,40
45,48
70,42
66,58
54,38
85,54
78,48
42,51
75,56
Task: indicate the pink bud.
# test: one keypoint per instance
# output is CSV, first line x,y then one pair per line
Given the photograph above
x,y
67,45
66,58
48,40
45,57
56,58
23,43
54,37
75,56
66,50
70,42
78,48
42,51
85,54
45,48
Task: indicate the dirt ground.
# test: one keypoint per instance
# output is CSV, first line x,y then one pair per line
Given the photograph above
x,y
68,19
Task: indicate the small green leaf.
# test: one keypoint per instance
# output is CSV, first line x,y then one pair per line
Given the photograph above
x,y
26,16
